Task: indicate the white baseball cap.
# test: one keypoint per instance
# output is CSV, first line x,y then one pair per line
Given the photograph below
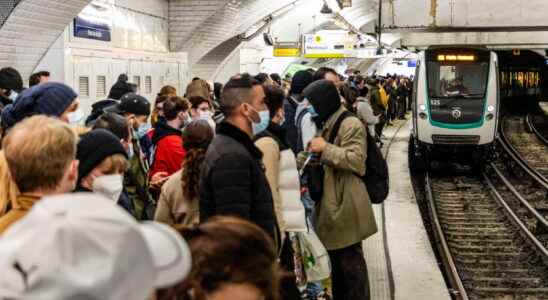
x,y
84,246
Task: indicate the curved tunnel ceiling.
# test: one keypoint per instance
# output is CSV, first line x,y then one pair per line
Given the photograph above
x,y
31,28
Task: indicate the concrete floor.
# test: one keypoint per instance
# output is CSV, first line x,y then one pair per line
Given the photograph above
x,y
414,267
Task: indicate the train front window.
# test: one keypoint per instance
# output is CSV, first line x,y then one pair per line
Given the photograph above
x,y
457,79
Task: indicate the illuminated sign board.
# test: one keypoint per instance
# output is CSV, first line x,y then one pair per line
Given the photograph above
x,y
456,57
329,44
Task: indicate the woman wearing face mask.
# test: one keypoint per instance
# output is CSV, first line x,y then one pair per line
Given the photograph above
x,y
178,202
103,161
167,139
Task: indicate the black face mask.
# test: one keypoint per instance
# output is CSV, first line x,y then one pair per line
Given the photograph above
x,y
325,99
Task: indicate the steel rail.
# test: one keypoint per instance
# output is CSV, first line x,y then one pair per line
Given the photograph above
x,y
455,281
535,130
538,244
507,146
525,203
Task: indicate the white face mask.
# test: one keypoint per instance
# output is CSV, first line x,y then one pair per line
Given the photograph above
x,y
76,117
205,115
110,186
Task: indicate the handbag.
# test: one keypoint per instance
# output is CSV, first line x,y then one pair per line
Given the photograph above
x,y
315,258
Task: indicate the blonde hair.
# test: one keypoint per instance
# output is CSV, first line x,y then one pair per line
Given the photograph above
x,y
113,164
198,88
38,151
8,188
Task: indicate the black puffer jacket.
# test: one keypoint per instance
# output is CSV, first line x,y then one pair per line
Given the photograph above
x,y
232,181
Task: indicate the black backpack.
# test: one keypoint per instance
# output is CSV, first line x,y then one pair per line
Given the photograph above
x,y
376,175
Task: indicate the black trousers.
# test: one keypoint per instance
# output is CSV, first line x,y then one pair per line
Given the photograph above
x,y
349,273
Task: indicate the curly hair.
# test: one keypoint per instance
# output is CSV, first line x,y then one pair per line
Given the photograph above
x,y
196,138
217,248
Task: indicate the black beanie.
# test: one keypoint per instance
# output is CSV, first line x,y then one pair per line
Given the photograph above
x,y
300,81
120,88
10,79
94,147
325,98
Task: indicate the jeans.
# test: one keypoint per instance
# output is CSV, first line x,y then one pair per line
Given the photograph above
x,y
349,273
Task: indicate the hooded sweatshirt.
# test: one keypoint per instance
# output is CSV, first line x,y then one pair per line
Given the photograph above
x,y
325,98
169,151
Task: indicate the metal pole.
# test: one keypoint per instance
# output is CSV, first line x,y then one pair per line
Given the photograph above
x,y
379,26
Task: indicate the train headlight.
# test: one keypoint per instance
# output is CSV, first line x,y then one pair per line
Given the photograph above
x,y
490,108
422,107
489,117
423,115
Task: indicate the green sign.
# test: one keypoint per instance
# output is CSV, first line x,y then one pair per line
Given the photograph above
x,y
294,68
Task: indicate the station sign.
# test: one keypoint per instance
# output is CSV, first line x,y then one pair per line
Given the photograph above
x,y
94,22
329,44
287,50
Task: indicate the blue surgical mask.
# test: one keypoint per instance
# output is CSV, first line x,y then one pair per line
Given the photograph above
x,y
142,130
312,111
264,116
282,121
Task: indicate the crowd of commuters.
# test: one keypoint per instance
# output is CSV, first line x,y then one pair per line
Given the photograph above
x,y
247,190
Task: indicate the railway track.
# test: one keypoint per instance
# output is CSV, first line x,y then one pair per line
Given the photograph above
x,y
538,124
525,148
492,230
486,248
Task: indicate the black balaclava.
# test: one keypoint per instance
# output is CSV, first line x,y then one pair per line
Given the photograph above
x,y
325,99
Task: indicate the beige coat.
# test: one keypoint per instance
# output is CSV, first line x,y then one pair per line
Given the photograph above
x,y
344,216
271,161
173,208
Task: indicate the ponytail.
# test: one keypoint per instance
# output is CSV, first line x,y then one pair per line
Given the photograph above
x,y
191,172
8,188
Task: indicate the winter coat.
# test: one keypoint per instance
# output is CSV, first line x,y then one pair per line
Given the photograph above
x,y
365,113
283,178
376,101
136,184
290,109
344,215
308,127
232,180
173,208
24,205
169,151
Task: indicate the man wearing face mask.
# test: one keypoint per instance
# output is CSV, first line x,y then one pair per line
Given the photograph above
x,y
232,181
167,138
11,85
103,161
136,110
201,110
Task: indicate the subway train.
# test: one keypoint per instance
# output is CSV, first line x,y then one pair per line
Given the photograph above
x,y
455,107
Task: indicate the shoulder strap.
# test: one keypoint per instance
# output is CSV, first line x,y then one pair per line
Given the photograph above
x,y
337,126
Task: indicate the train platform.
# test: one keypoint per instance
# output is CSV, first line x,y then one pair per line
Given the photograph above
x,y
544,107
400,259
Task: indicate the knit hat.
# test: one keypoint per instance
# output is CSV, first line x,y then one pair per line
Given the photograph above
x,y
94,147
131,103
50,99
120,88
300,81
325,99
10,79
